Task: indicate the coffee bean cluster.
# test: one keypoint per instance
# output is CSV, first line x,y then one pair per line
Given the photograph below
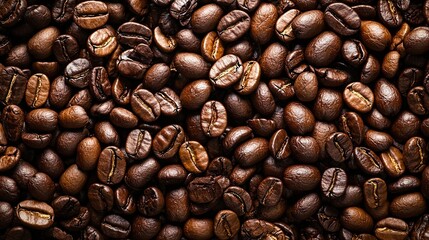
x,y
214,119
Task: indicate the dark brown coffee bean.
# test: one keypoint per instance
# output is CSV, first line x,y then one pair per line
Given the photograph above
x,y
213,118
12,87
299,118
151,202
195,94
334,182
354,52
332,77
272,60
375,36
212,47
167,142
284,29
37,90
251,152
111,165
393,162
13,122
62,10
73,117
238,200
356,219
12,12
339,147
233,25
169,101
359,97
102,42
375,194
368,161
138,144
91,14
138,175
304,207
306,86
415,157
263,22
72,180
391,228
132,34
300,177
342,19
308,24
145,105
99,84
226,71
115,226
177,205
40,44
34,214
10,159
193,156
408,205
323,49
191,66
250,78
226,224
206,18
100,197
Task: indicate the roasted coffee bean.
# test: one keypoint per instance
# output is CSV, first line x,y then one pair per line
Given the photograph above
x,y
323,49
391,228
138,144
299,118
329,218
238,200
359,97
132,34
356,219
138,175
334,182
40,44
339,147
115,226
375,36
13,121
408,205
270,191
354,52
100,197
251,152
10,159
99,84
167,142
301,177
233,25
304,207
91,14
226,224
111,165
284,29
151,202
102,42
34,214
263,22
37,90
184,62
226,71
193,156
342,19
12,12
375,194
308,24
332,77
272,60
12,87
213,118
389,14
368,161
393,162
66,206
145,105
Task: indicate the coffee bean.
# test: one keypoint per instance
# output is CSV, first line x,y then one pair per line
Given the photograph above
x,y
390,228
138,144
37,90
374,35
270,191
263,22
73,117
213,118
138,175
111,165
226,224
308,24
299,118
91,14
368,160
359,97
284,25
115,226
102,42
339,147
193,156
408,205
206,18
323,49
393,162
194,95
100,197
167,142
184,62
342,19
251,152
132,34
34,214
145,105
12,87
13,122
233,25
226,71
334,182
10,159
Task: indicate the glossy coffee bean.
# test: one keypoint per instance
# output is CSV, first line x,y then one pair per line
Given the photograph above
x,y
342,19
111,165
233,25
193,156
34,214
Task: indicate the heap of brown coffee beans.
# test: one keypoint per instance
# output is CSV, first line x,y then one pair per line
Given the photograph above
x,y
214,119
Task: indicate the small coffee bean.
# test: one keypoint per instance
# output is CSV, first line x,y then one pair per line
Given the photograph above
x,y
368,161
359,97
111,165
334,182
145,105
91,14
342,19
213,118
226,224
270,191
193,156
391,228
233,25
138,144
34,214
167,142
300,177
226,71
251,152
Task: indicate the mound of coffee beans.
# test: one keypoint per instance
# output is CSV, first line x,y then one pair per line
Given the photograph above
x,y
214,119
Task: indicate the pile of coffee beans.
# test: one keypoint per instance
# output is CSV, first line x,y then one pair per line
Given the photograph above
x,y
214,119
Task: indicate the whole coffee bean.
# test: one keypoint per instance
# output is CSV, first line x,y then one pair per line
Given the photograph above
x,y
375,196
40,44
7,211
204,190
415,157
37,90
102,42
115,226
306,86
280,145
226,71
332,77
334,182
391,228
342,19
34,214
111,165
352,124
91,14
413,41
254,228
354,52
145,105
100,197
169,101
132,34
12,12
357,220
41,187
194,95
78,222
375,36
167,142
138,144
193,156
10,159
138,175
73,117
184,62
12,87
238,200
177,205
65,48
368,161
77,72
251,152
390,65
22,173
308,24
339,147
151,202
272,60
300,177
123,118
389,14
35,140
72,180
323,49
250,78
99,84
124,201
404,184
263,22
121,91
212,47
378,141
284,29
213,118
50,163
304,207
13,120
420,229
387,98
62,10
358,97
299,118
408,205
270,191
165,43
205,18
233,25
393,162
404,126
226,224
9,189
305,148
